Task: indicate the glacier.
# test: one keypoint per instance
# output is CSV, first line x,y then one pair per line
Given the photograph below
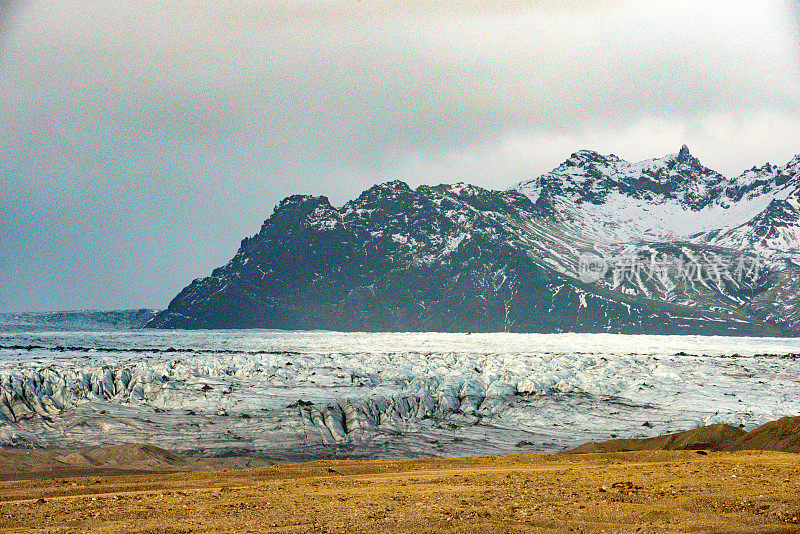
x,y
291,395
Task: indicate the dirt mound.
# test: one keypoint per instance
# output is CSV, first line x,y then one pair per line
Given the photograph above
x,y
141,456
109,459
782,435
712,437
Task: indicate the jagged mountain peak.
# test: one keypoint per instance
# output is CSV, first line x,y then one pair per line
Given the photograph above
x,y
590,158
294,201
663,198
295,211
297,207
582,157
588,177
463,189
765,181
386,189
392,185
390,197
792,166
686,158
767,167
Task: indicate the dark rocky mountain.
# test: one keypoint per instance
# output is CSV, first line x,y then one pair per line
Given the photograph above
x,y
462,258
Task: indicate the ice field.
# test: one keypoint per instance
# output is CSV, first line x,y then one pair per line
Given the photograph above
x,y
300,395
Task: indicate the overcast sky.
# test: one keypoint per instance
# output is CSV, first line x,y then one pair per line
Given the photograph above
x,y
140,141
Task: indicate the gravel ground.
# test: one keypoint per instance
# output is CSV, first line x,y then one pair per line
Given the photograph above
x,y
645,491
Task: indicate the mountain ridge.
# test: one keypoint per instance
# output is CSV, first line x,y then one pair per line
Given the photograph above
x,y
463,258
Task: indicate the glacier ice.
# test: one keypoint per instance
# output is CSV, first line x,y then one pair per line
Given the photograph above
x,y
297,395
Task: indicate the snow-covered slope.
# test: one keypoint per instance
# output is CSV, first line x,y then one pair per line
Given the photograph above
x,y
772,230
708,229
673,197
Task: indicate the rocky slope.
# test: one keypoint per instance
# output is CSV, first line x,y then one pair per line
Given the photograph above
x,y
598,244
782,435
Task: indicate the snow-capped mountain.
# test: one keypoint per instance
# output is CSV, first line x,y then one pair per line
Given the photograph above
x,y
661,199
588,177
446,258
675,248
615,201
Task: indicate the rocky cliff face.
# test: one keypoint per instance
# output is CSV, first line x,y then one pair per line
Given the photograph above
x,y
462,258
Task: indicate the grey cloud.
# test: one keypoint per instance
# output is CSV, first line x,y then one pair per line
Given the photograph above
x,y
338,10
7,9
418,82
